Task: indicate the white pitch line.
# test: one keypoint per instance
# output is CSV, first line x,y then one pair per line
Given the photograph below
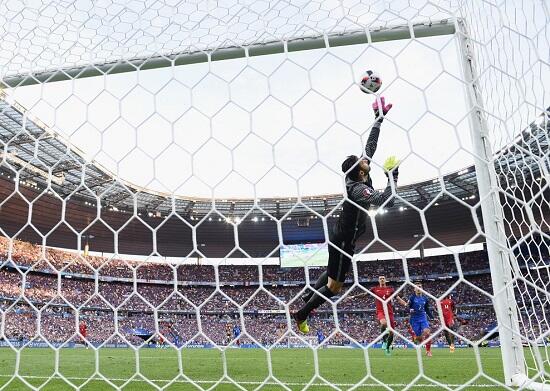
x,y
252,382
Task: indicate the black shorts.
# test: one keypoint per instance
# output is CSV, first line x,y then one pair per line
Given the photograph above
x,y
339,260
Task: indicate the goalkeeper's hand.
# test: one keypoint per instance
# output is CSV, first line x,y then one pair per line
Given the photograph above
x,y
392,165
380,103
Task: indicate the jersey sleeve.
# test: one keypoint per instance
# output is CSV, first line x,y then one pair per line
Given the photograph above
x,y
411,302
372,141
365,196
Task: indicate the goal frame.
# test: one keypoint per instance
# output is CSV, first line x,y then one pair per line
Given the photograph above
x,y
500,255
353,37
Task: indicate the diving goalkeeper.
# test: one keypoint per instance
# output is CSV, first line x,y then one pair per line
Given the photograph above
x,y
352,222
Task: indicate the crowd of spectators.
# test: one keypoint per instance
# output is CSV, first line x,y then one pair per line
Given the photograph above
x,y
38,258
61,326
51,290
45,293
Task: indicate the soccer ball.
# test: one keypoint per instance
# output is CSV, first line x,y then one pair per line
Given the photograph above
x,y
370,82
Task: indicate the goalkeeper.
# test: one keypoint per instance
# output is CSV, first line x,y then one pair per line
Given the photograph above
x,y
352,222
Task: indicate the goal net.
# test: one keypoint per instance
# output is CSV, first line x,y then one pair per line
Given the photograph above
x,y
171,174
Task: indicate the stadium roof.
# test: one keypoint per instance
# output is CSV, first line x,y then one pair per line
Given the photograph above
x,y
72,175
42,158
32,145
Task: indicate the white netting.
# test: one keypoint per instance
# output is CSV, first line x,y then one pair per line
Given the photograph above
x,y
511,58
158,157
56,35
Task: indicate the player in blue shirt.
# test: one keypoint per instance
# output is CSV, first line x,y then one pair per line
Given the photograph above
x,y
420,313
237,333
320,336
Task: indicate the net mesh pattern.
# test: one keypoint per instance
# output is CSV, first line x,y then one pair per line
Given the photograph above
x,y
148,209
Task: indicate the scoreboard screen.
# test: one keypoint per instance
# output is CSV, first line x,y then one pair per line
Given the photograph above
x,y
304,254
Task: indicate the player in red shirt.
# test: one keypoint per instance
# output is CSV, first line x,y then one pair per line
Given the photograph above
x,y
383,292
83,330
448,311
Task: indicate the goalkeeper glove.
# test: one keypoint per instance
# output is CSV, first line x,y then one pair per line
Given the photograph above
x,y
392,164
380,103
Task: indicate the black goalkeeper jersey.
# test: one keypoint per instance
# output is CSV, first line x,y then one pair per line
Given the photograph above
x,y
352,222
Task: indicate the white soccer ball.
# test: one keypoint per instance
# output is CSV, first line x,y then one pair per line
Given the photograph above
x,y
370,82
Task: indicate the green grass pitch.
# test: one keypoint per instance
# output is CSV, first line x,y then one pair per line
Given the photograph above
x,y
248,367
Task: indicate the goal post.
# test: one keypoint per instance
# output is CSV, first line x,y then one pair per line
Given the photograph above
x,y
356,37
481,49
500,256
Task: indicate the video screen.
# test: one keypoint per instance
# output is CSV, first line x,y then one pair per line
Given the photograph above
x,y
304,254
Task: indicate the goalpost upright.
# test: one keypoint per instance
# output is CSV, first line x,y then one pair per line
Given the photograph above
x,y
499,254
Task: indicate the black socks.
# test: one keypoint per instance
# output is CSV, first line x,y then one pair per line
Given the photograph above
x,y
315,301
321,282
390,340
382,329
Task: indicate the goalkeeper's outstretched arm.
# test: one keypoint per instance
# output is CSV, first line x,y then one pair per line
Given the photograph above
x,y
372,141
363,194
